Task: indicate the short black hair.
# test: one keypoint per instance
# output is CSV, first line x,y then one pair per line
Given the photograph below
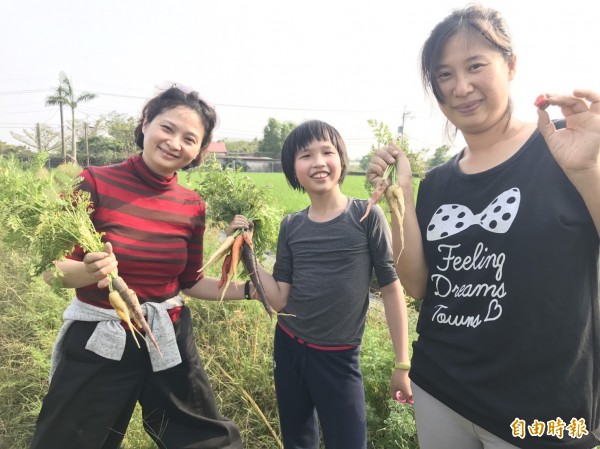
x,y
300,138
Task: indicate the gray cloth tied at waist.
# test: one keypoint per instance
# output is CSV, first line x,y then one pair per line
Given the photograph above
x,y
108,339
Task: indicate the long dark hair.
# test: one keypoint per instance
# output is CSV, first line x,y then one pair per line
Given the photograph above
x,y
486,22
474,19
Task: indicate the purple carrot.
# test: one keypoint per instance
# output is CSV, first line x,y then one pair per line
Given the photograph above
x,y
251,267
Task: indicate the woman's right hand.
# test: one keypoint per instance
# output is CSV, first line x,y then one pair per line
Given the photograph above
x,y
240,222
100,264
385,156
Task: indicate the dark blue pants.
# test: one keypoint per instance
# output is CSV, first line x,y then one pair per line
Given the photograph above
x,y
313,386
91,399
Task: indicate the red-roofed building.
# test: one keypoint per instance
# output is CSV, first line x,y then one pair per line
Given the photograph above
x,y
218,148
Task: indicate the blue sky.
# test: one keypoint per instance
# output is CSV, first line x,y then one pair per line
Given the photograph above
x,y
341,61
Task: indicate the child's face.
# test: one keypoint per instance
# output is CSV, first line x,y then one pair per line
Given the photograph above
x,y
318,167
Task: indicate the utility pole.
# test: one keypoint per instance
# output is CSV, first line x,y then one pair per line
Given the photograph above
x,y
87,150
406,114
38,137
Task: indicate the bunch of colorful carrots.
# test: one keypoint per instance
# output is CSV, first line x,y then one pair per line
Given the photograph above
x,y
235,248
128,308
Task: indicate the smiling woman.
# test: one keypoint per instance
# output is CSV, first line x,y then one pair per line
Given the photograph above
x,y
154,227
502,247
172,140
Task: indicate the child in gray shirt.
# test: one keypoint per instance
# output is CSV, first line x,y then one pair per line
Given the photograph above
x,y
322,274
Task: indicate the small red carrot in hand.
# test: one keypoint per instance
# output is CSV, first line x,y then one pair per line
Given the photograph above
x,y
541,102
248,239
225,268
382,185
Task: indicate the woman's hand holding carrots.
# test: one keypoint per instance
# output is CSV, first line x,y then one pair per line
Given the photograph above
x,y
100,264
389,155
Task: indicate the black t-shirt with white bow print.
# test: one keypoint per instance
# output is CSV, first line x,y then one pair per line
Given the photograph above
x,y
509,331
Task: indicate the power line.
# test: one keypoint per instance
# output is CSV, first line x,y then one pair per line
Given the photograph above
x,y
31,91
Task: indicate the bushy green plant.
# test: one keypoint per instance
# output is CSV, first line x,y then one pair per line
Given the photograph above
x,y
228,192
41,219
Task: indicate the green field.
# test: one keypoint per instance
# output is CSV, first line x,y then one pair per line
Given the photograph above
x,y
291,200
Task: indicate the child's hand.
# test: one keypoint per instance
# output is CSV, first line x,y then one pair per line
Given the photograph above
x,y
400,386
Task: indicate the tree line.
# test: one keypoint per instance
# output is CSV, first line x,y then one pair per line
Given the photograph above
x,y
110,139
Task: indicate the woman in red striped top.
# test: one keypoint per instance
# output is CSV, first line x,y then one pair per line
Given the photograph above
x,y
155,228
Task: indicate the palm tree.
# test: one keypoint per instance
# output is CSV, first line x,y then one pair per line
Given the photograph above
x,y
59,98
65,95
73,101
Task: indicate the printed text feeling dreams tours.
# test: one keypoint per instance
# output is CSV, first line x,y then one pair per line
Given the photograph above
x,y
445,287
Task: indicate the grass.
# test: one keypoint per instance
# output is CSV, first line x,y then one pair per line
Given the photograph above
x,y
234,340
293,200
235,343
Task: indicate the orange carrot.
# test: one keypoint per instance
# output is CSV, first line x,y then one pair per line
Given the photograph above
x,y
236,250
376,195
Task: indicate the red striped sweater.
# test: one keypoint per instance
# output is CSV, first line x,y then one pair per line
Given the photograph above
x,y
155,226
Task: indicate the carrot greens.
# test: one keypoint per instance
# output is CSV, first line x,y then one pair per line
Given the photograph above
x,y
47,219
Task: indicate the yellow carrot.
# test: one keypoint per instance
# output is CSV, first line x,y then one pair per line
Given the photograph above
x,y
133,304
395,199
118,303
220,252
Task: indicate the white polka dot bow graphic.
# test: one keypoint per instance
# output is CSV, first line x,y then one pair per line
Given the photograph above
x,y
450,219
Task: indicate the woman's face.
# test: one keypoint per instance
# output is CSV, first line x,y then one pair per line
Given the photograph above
x,y
172,140
474,79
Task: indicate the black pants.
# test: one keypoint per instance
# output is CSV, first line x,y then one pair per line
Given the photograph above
x,y
91,399
319,387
